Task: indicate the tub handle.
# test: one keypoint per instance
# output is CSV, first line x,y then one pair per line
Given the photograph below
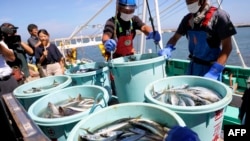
x,y
102,79
96,104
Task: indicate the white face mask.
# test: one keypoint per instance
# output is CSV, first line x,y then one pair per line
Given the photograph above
x,y
126,17
194,7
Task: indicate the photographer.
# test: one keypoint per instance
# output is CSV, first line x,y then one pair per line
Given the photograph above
x,y
20,49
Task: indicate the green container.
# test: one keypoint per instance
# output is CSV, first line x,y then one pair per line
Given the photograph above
x,y
97,73
132,77
59,128
231,116
153,112
205,120
26,99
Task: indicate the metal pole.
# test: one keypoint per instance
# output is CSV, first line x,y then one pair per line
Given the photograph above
x,y
158,22
143,40
81,27
152,22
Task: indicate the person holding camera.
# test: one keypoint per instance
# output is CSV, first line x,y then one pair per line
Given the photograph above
x,y
7,81
7,84
20,49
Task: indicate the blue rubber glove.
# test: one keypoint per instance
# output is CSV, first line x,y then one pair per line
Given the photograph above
x,y
179,133
110,45
154,35
214,71
167,51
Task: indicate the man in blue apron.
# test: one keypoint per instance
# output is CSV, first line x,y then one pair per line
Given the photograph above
x,y
208,30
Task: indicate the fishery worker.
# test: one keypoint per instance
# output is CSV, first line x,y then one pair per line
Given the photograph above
x,y
244,108
208,30
119,31
48,55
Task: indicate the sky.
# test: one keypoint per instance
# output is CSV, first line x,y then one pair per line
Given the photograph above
x,y
61,17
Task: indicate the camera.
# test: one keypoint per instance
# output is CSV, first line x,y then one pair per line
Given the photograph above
x,y
8,34
14,39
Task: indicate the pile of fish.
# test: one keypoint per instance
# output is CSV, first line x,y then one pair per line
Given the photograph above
x,y
186,95
84,70
68,107
41,88
128,129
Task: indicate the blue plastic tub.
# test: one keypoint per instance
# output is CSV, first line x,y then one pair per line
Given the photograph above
x,y
26,99
59,128
96,73
125,110
205,120
132,77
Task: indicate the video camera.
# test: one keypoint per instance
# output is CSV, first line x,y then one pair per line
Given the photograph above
x,y
8,34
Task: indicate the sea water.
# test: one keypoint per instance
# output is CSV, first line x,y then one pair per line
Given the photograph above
x,y
242,40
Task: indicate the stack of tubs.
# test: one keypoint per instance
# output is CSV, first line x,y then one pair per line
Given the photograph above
x,y
26,99
96,73
59,128
125,110
205,120
133,73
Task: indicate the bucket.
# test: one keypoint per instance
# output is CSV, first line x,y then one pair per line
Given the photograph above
x,y
133,73
26,99
205,120
112,113
59,128
95,73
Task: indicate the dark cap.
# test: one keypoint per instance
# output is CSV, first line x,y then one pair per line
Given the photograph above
x,y
8,28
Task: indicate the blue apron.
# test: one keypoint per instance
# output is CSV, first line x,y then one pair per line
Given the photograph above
x,y
200,50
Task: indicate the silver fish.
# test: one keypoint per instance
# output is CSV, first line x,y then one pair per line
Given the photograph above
x,y
109,136
38,89
150,125
32,90
206,93
67,111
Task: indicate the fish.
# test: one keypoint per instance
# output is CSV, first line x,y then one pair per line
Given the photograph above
x,y
127,129
150,125
53,109
32,90
39,89
206,93
188,101
68,107
109,136
84,70
133,137
186,95
54,84
67,111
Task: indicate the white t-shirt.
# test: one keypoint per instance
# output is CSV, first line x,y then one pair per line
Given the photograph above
x,y
4,67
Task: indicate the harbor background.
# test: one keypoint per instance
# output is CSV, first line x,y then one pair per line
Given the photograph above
x,y
242,39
